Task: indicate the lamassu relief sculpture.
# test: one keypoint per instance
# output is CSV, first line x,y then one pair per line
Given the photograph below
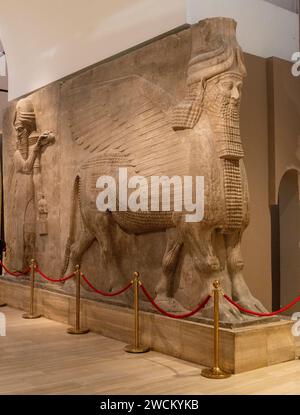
x,y
199,136
157,118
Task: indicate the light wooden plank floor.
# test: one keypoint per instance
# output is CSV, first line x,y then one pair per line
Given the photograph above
x,y
39,357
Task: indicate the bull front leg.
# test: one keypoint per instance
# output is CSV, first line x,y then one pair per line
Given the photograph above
x,y
206,247
235,265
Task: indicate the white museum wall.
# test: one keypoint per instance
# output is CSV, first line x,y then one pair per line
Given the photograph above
x,y
45,41
3,95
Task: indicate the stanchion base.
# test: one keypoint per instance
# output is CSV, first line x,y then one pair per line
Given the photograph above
x,y
3,305
31,316
72,330
140,349
215,373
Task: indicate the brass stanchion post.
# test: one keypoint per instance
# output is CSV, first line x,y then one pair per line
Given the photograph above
x,y
216,372
31,314
77,329
3,304
136,347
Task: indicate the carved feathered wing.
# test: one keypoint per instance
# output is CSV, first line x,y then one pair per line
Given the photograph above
x,y
129,116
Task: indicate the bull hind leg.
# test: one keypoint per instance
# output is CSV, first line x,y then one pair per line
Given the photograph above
x,y
164,295
77,249
235,265
106,227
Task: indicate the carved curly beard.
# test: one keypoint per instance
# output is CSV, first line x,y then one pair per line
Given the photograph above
x,y
224,115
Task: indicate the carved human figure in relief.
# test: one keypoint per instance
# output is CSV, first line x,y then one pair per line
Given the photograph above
x,y
27,185
154,135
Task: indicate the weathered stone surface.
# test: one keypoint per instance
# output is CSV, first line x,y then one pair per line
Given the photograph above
x,y
169,108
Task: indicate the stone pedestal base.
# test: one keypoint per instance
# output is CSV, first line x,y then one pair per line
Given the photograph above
x,y
242,349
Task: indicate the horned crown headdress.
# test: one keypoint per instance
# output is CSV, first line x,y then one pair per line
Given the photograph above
x,y
25,114
215,50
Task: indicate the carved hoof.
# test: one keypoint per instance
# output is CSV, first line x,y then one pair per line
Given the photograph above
x,y
227,312
169,304
253,304
70,286
113,287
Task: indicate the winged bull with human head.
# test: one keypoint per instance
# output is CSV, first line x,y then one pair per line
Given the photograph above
x,y
157,136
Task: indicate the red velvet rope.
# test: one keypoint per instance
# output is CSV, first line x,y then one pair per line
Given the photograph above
x,y
54,280
113,294
254,313
177,316
14,274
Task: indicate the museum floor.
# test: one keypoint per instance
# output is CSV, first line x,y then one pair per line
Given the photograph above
x,y
39,357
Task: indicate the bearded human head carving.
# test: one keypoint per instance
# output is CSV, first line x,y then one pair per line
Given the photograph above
x,y
214,79
216,68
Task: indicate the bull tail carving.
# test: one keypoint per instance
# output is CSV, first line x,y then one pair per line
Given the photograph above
x,y
71,236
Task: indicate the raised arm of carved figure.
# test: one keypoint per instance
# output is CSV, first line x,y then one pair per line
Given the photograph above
x,y
26,166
